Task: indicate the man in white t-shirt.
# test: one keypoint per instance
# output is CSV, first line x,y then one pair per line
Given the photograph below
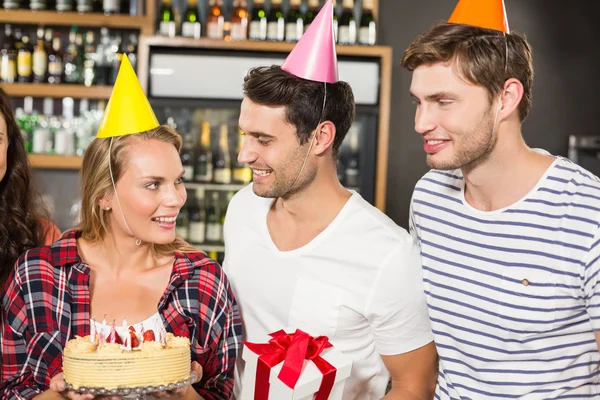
x,y
303,252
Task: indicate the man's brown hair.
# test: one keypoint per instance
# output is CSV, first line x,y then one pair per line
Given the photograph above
x,y
480,56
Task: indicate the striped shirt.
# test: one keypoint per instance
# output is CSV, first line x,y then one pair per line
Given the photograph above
x,y
47,302
513,294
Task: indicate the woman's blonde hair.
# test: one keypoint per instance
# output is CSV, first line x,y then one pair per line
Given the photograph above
x,y
96,183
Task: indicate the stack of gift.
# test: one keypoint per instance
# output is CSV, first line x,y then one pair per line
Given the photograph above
x,y
294,366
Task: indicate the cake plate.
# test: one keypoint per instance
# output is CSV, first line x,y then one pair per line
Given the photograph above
x,y
138,392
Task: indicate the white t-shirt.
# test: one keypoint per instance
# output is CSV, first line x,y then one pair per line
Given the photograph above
x,y
358,282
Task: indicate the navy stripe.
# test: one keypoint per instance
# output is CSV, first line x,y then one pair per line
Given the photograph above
x,y
550,216
507,223
579,171
573,182
512,382
502,249
510,305
484,272
446,185
436,194
567,205
589,196
496,288
498,262
437,171
501,328
499,235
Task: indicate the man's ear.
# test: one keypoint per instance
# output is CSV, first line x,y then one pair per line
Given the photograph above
x,y
325,137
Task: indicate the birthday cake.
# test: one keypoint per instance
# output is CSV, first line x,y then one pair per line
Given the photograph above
x,y
135,361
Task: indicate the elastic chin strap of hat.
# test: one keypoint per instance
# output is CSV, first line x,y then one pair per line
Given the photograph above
x,y
505,72
311,142
112,179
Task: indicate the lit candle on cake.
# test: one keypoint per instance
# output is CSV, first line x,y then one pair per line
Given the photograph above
x,y
142,332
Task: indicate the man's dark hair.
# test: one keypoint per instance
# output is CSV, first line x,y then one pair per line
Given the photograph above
x,y
303,99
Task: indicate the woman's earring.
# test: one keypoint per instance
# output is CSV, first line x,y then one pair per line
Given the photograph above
x,y
107,208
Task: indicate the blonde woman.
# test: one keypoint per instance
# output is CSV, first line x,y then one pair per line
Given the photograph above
x,y
123,261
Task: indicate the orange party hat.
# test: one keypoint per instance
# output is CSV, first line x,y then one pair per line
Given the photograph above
x,y
489,14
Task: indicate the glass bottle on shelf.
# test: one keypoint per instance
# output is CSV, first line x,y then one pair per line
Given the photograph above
x,y
111,7
26,122
116,54
222,160
40,59
64,138
24,60
103,57
91,62
187,158
347,26
258,21
55,62
214,229
241,172
294,27
71,60
166,19
204,165
311,13
190,27
37,5
64,5
8,57
352,165
239,20
215,20
335,23
276,22
367,33
197,218
84,6
131,50
182,222
42,134
11,4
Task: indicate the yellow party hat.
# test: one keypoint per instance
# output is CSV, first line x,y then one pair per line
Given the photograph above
x,y
128,111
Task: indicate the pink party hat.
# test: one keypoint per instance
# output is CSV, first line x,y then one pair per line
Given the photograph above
x,y
314,57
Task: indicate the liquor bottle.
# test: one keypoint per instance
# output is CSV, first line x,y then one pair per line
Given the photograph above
x,y
197,216
204,165
239,20
190,27
11,4
215,20
131,50
64,5
92,57
214,229
335,23
347,26
182,223
64,138
352,166
166,19
222,161
294,27
117,53
111,7
258,21
367,33
187,159
276,22
84,6
8,57
311,13
37,5
24,62
55,62
40,59
103,58
71,60
241,172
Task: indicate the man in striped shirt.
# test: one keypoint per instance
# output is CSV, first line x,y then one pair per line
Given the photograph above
x,y
509,235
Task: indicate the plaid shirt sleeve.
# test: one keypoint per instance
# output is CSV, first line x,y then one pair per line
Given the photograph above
x,y
219,315
30,339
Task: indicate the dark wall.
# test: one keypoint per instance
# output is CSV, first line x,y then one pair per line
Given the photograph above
x,y
564,37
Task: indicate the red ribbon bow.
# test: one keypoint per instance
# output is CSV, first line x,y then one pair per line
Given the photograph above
x,y
292,349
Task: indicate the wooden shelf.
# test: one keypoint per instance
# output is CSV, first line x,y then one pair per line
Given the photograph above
x,y
74,18
56,90
255,45
54,162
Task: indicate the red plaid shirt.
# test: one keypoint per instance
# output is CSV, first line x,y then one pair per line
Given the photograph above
x,y
47,302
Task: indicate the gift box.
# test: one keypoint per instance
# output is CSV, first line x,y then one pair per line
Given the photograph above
x,y
294,366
